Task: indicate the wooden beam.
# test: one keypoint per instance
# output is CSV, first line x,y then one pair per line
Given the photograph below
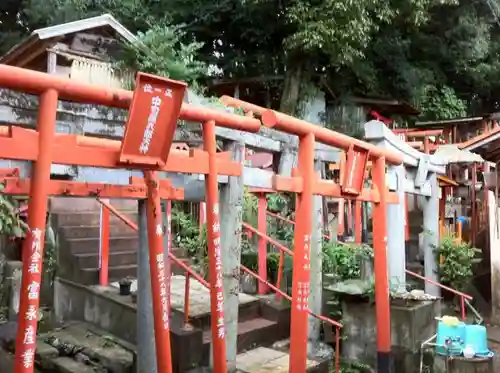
x,y
32,54
18,186
94,152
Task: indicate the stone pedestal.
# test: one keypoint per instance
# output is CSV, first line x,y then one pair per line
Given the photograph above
x,y
411,324
443,364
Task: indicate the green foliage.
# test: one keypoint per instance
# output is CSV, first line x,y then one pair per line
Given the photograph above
x,y
188,235
353,368
441,103
458,259
160,50
50,254
284,205
429,52
250,207
278,203
344,260
10,223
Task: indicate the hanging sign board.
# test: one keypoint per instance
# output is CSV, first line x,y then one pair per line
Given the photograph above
x,y
152,120
355,168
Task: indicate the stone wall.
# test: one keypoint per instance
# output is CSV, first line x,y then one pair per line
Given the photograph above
x,y
410,326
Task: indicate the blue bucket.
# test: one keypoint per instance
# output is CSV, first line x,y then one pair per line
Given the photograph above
x,y
455,334
476,337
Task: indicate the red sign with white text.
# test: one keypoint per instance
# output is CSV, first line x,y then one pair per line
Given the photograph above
x,y
152,120
355,168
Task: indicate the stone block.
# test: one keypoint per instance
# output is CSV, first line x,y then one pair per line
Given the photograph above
x,y
45,354
278,312
187,347
68,365
410,326
413,324
103,350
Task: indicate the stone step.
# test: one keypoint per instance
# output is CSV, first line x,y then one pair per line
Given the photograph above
x,y
93,231
246,311
91,245
90,276
266,360
117,258
90,218
105,353
68,365
251,333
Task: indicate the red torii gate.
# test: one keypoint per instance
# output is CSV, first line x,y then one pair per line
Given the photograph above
x,y
154,109
306,183
141,150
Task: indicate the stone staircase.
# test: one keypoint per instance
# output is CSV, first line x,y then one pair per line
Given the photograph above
x,y
76,224
261,321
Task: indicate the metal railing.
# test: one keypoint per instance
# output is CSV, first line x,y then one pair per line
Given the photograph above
x,y
464,298
107,208
334,323
277,288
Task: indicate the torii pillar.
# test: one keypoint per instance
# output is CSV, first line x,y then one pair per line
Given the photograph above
x,y
417,175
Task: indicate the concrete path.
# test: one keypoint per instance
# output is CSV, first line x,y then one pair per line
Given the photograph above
x,y
199,296
266,360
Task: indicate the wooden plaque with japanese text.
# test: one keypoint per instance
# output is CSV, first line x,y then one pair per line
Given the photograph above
x,y
355,168
152,120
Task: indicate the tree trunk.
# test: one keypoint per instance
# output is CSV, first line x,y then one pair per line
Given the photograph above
x,y
291,88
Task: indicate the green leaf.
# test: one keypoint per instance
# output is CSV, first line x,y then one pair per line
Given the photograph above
x,y
18,232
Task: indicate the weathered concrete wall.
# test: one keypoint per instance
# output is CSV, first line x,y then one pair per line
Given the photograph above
x,y
80,303
410,326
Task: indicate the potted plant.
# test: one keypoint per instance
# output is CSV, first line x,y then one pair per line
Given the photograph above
x,y
125,286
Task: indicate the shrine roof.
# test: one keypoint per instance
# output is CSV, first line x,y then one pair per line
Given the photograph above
x,y
52,32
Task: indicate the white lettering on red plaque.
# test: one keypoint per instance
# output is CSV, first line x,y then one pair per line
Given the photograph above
x,y
307,253
33,290
164,295
218,272
29,335
32,313
150,127
303,296
28,358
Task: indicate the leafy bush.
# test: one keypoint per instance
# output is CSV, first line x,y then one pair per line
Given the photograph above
x,y
456,259
344,260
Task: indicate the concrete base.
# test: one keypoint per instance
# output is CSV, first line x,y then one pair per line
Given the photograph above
x,y
261,322
443,364
410,326
267,360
